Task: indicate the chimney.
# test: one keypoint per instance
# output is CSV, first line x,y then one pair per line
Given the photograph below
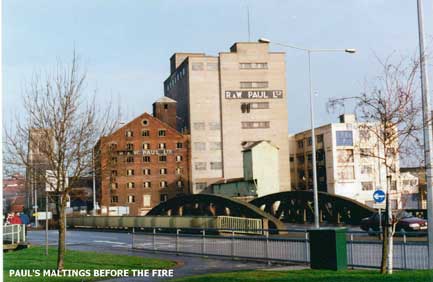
x,y
164,109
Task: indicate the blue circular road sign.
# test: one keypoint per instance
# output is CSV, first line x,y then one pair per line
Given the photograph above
x,y
379,196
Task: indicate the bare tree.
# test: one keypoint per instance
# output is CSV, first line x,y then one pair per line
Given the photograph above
x,y
390,112
57,135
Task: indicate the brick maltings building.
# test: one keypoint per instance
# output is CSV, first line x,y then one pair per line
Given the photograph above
x,y
143,163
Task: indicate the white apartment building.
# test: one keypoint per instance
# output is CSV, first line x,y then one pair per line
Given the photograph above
x,y
346,162
227,102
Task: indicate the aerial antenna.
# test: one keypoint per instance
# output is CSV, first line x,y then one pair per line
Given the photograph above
x,y
248,19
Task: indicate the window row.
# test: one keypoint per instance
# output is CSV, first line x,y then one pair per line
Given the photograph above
x,y
147,171
200,66
146,199
253,66
175,78
147,146
319,140
254,84
146,159
147,184
146,133
255,124
203,165
202,125
201,146
247,107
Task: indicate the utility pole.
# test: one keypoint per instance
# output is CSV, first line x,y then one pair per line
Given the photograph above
x,y
94,182
427,132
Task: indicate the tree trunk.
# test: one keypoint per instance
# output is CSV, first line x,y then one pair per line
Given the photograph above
x,y
384,262
62,233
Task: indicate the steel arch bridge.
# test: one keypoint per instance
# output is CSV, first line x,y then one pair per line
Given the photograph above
x,y
212,205
298,207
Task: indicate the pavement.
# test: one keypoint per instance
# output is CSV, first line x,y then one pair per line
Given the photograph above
x,y
121,243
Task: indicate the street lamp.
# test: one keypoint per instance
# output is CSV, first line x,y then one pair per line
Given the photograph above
x,y
313,137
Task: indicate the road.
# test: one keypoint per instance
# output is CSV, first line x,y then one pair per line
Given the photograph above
x,y
121,243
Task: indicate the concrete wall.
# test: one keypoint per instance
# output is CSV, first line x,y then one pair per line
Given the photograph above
x,y
265,162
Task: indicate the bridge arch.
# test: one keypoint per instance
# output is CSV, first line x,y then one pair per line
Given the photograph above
x,y
212,205
298,207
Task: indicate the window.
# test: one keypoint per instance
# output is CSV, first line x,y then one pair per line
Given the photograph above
x,y
255,124
319,138
200,146
200,186
130,185
310,141
254,84
345,156
249,66
114,173
129,172
165,106
394,185
114,185
364,134
179,184
367,186
146,146
146,159
162,145
146,171
163,184
200,165
147,184
292,159
179,145
162,158
114,199
212,66
161,132
259,105
345,173
344,138
366,169
145,133
178,170
163,197
162,171
130,147
113,147
178,158
145,122
131,199
214,125
199,125
215,146
146,201
129,133
366,153
197,66
113,160
301,144
216,165
245,108
300,159
129,159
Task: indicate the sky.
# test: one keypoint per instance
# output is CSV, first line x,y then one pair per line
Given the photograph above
x,y
125,46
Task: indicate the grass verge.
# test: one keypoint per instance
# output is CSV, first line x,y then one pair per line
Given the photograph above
x,y
309,275
33,259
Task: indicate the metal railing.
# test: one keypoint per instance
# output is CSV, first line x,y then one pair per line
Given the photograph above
x,y
239,224
14,233
290,246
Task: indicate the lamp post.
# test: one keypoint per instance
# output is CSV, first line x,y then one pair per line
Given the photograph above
x,y
428,158
313,137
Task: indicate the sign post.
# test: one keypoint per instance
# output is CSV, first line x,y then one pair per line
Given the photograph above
x,y
379,198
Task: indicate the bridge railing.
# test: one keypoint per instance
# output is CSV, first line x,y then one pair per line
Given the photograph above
x,y
291,245
221,223
239,224
14,233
